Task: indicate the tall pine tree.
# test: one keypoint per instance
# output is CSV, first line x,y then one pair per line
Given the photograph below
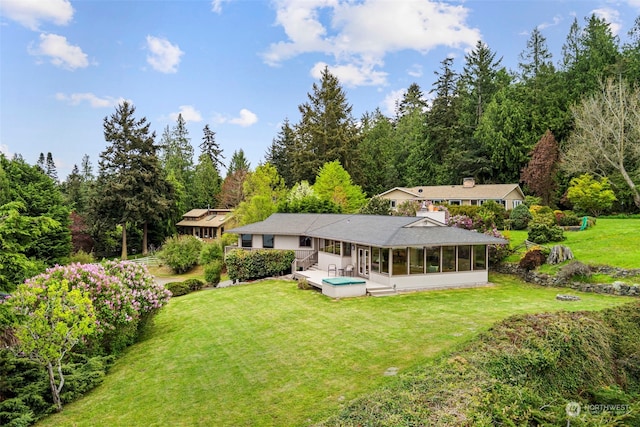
x,y
131,189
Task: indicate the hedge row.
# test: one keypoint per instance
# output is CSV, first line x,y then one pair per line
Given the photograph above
x,y
250,265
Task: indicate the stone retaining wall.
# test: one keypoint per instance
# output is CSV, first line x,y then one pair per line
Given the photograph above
x,y
615,288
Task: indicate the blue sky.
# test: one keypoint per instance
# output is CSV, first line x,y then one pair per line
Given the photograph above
x,y
240,66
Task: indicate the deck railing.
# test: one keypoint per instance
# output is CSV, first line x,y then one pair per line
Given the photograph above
x,y
304,263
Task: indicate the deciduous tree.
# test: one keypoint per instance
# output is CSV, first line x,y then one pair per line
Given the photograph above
x,y
263,189
334,183
589,195
52,320
540,173
606,135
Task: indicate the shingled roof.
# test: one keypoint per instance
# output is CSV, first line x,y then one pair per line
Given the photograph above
x,y
459,192
375,230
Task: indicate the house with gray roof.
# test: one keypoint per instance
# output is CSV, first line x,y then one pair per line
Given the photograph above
x,y
469,193
395,252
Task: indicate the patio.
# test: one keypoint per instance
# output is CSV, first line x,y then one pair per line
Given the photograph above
x,y
314,277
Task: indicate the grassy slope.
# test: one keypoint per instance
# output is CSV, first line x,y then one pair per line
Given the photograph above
x,y
268,354
611,242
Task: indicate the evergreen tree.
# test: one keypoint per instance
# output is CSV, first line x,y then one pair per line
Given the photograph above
x,y
410,134
504,134
412,100
238,162
206,183
536,59
279,154
326,131
378,172
211,148
41,163
72,189
86,169
443,123
51,170
591,55
479,81
231,193
34,222
131,187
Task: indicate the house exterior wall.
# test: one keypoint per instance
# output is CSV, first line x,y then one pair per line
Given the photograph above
x,y
324,259
432,280
398,197
513,199
279,242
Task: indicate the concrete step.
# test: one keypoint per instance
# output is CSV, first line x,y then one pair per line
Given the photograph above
x,y
381,291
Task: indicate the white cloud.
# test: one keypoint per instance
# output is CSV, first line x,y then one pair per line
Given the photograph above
x,y
189,114
611,16
93,100
4,149
61,53
415,70
634,3
245,119
164,56
554,22
391,100
216,5
352,74
358,35
31,13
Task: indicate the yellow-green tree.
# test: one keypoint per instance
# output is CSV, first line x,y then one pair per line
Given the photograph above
x,y
52,319
333,183
590,195
262,189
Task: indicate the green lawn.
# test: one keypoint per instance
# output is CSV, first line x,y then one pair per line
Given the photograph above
x,y
268,354
611,242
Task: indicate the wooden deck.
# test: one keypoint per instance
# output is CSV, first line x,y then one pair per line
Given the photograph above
x,y
314,278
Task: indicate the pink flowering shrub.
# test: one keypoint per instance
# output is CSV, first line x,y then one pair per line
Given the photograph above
x,y
149,295
124,295
461,221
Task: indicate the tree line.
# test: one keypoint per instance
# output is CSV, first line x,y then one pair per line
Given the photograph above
x,y
540,125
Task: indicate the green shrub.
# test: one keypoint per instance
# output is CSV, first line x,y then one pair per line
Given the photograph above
x,y
466,210
211,251
542,215
569,219
304,284
532,201
228,240
181,253
532,259
520,217
194,284
575,270
178,288
81,257
249,265
494,212
212,272
543,233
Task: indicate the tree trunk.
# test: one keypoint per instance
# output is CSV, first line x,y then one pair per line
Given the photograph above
x,y
631,184
144,239
54,390
123,253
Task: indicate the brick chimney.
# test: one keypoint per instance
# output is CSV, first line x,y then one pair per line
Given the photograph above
x,y
468,182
